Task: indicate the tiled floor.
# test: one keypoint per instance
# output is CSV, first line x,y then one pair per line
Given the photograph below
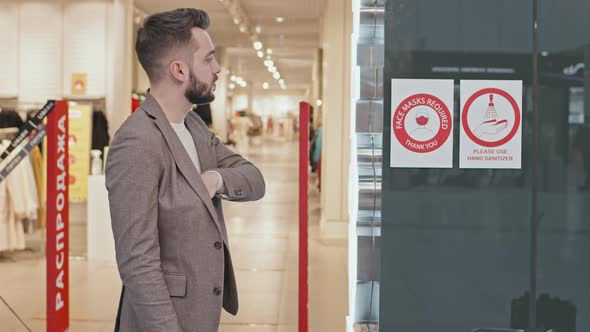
x,y
263,240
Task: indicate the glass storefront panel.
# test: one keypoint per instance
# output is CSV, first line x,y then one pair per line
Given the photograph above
x,y
563,275
456,243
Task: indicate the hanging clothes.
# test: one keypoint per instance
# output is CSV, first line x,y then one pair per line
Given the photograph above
x,y
37,162
10,118
18,202
100,131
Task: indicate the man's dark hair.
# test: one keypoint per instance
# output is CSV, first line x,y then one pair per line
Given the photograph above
x,y
163,32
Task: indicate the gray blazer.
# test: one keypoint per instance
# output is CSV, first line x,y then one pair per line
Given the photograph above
x,y
170,237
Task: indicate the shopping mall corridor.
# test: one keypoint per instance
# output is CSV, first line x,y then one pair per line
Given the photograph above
x,y
264,243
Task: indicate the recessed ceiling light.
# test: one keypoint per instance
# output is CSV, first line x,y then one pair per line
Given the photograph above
x,y
280,19
268,51
260,54
258,29
268,63
257,45
272,69
276,75
281,81
232,86
265,85
242,28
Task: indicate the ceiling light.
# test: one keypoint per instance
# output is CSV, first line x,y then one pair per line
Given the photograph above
x,y
242,28
257,45
244,84
268,51
276,75
258,29
268,63
265,86
281,81
232,86
260,54
280,19
268,57
318,102
233,78
272,69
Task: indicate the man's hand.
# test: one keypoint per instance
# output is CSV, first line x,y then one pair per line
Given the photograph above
x,y
212,182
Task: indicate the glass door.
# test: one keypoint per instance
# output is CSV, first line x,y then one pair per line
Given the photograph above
x,y
462,249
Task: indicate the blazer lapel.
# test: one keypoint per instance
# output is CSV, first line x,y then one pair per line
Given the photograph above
x,y
202,142
181,157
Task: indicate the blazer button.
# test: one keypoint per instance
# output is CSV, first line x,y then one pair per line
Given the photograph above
x,y
216,291
218,245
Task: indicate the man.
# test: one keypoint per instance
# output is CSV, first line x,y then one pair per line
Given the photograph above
x,y
165,175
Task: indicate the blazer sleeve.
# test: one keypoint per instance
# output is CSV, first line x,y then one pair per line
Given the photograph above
x,y
132,179
242,181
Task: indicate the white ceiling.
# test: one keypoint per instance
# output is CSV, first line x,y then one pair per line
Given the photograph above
x,y
293,42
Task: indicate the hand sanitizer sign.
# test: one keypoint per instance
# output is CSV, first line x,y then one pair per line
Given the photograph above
x,y
491,125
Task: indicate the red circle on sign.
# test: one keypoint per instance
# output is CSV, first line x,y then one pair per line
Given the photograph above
x,y
515,108
441,136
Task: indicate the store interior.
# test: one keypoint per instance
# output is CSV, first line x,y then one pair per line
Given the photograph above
x,y
274,54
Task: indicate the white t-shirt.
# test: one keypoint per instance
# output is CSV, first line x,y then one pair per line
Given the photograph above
x,y
189,145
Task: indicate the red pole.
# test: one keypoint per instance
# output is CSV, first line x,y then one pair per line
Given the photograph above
x,y
303,216
58,317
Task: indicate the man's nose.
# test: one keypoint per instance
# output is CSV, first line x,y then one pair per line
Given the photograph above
x,y
218,68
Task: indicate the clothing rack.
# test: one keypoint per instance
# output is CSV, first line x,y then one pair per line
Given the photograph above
x,y
8,133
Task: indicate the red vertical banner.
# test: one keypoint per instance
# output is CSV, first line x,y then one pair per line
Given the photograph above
x,y
58,311
304,110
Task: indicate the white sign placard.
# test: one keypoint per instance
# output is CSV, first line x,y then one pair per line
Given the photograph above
x,y
491,124
421,123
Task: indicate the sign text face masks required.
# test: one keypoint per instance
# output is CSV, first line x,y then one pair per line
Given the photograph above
x,y
422,123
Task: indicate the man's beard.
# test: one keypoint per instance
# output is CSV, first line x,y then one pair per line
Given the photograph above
x,y
198,92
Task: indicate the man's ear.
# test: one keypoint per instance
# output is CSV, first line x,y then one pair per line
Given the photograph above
x,y
179,71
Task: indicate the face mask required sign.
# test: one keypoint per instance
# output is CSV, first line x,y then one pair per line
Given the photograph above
x,y
491,124
422,123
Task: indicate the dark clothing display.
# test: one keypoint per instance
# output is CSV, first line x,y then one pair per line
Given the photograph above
x,y
100,131
10,118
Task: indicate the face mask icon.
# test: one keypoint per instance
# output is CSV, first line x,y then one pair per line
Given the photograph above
x,y
422,132
422,117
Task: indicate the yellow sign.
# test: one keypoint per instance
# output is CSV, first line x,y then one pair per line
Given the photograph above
x,y
80,141
79,84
